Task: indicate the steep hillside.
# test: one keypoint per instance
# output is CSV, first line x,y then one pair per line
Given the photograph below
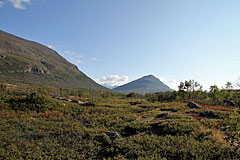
x,y
23,61
146,84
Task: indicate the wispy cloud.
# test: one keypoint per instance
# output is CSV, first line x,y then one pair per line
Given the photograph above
x,y
75,61
93,59
172,83
78,61
1,3
69,52
72,56
79,56
19,4
52,46
114,80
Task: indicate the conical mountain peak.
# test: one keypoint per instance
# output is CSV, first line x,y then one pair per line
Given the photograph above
x,y
146,84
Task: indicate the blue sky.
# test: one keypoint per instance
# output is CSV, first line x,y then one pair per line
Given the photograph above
x,y
116,41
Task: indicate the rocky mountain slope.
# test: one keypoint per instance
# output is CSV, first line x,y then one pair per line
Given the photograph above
x,y
23,61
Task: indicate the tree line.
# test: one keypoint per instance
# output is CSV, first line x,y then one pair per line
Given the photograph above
x,y
192,90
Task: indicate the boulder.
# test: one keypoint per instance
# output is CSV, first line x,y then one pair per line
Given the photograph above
x,y
112,135
162,115
193,105
78,102
206,114
135,103
229,103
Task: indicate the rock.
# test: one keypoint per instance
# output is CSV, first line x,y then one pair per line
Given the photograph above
x,y
162,115
206,114
112,135
135,103
169,109
193,105
78,102
229,103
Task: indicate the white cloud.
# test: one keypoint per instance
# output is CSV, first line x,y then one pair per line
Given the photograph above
x,y
73,57
1,3
93,59
19,4
69,52
78,61
172,83
114,80
66,52
52,46
79,56
75,61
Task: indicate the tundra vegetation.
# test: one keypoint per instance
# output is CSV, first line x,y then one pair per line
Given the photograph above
x,y
53,123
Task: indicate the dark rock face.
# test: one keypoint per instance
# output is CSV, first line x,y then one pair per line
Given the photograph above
x,y
37,70
162,115
229,103
193,105
206,114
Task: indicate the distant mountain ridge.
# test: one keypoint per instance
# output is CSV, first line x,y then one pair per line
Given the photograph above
x,y
24,61
146,84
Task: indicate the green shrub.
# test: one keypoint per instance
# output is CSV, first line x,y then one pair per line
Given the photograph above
x,y
134,128
171,127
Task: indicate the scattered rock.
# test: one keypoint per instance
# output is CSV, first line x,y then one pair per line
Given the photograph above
x,y
193,105
112,135
63,99
78,102
69,100
229,103
37,70
135,103
174,110
162,115
206,114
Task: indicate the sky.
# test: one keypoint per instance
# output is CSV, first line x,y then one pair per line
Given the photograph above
x,y
117,41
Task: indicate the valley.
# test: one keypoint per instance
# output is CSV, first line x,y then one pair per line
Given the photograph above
x,y
49,109
37,125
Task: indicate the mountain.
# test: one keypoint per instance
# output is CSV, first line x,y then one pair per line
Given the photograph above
x,y
24,61
146,84
109,86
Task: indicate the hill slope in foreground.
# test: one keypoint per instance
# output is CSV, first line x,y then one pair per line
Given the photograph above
x,y
23,61
38,126
146,84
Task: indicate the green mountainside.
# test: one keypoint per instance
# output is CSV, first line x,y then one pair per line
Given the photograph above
x,y
146,84
23,61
